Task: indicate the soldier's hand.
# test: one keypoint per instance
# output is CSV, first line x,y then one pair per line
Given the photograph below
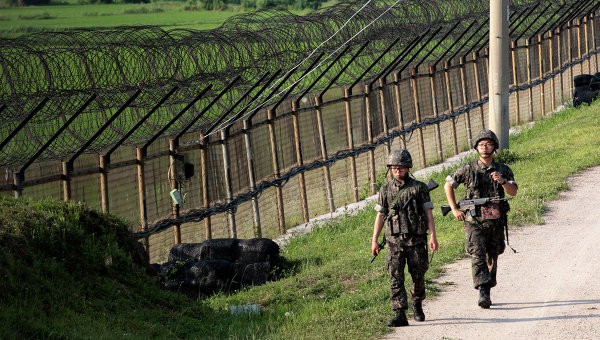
x,y
433,243
460,216
374,248
497,177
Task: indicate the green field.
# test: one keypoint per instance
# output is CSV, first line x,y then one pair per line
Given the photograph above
x,y
20,20
15,21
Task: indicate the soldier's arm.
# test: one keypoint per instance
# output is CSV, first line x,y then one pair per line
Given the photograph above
x,y
377,226
433,243
449,190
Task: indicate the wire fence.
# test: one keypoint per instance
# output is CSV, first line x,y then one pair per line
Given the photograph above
x,y
250,149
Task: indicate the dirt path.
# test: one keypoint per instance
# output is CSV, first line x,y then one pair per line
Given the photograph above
x,y
550,289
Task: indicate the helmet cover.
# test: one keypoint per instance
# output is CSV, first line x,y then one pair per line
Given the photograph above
x,y
400,157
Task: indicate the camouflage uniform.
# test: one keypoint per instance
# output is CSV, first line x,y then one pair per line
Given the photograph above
x,y
406,236
484,237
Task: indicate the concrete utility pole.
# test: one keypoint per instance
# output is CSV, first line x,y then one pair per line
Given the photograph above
x,y
499,73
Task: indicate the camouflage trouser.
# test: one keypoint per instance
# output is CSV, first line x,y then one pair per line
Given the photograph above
x,y
398,258
485,241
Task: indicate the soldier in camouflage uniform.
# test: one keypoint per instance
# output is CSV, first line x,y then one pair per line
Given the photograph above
x,y
405,204
482,178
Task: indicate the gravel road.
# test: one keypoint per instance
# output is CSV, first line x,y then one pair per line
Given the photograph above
x,y
549,289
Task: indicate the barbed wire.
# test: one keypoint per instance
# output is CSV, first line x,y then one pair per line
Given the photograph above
x,y
67,67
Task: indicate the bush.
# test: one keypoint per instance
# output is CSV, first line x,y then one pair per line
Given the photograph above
x,y
72,234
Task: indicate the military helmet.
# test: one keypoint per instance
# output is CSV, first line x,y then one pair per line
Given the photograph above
x,y
486,134
400,157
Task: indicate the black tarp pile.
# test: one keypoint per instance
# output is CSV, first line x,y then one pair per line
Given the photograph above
x,y
199,269
586,88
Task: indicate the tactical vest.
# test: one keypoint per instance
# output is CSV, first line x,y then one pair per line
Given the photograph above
x,y
406,216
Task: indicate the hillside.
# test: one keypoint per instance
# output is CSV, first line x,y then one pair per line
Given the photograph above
x,y
67,271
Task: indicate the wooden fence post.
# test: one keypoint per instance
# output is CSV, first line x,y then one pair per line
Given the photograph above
x,y
251,178
475,57
530,89
587,43
465,97
174,186
438,132
228,187
560,63
415,90
450,106
140,153
324,157
399,112
204,183
570,57
551,69
579,45
300,161
541,71
276,173
104,201
350,141
139,156
67,171
372,170
593,33
18,184
383,108
513,53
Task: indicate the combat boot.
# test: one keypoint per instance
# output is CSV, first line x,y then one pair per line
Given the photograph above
x,y
418,311
399,320
484,297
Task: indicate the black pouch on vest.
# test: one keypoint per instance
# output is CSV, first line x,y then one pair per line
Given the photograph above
x,y
394,225
404,224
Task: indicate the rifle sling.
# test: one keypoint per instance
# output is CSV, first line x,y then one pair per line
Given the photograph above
x,y
508,243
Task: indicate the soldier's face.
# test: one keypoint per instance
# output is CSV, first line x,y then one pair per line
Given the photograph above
x,y
399,172
486,148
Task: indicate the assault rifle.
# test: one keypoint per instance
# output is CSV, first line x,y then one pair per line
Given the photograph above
x,y
430,186
469,205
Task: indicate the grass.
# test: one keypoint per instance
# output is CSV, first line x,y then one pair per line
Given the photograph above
x,y
19,20
15,21
69,272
